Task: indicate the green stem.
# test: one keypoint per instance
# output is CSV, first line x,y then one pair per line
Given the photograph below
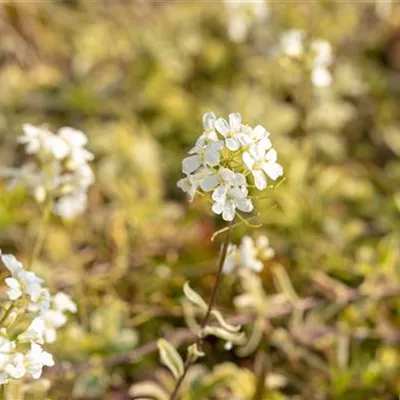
x,y
5,316
43,225
221,261
261,373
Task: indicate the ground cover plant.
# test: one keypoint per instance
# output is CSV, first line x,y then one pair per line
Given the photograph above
x,y
199,200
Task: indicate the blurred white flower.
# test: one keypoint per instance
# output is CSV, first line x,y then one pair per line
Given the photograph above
x,y
227,158
23,283
43,315
61,168
41,141
242,15
36,359
291,43
321,77
62,302
55,317
250,254
15,366
35,332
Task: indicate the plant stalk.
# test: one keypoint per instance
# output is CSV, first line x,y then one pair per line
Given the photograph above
x,y
218,280
43,225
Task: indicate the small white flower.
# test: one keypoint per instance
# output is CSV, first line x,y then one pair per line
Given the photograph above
x,y
204,154
321,77
23,283
232,131
191,183
55,318
15,367
249,254
39,139
61,167
222,166
36,359
75,140
14,292
71,205
242,15
261,164
323,52
35,332
230,259
62,302
227,200
7,348
292,43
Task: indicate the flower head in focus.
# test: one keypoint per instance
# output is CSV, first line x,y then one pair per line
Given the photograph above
x,y
229,161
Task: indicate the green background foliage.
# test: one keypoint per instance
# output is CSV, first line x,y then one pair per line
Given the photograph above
x,y
137,77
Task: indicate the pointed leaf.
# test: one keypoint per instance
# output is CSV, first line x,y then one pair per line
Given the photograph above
x,y
194,297
170,358
148,390
235,338
227,326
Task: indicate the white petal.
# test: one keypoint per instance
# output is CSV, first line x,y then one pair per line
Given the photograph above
x,y
244,205
264,144
58,147
259,179
238,193
217,208
239,180
227,175
73,136
222,126
229,211
184,184
235,121
12,283
273,170
12,264
209,183
212,157
260,132
248,160
219,194
271,155
232,144
190,164
209,121
321,77
14,294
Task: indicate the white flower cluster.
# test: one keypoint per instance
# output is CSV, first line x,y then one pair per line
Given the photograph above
x,y
294,45
242,15
61,168
21,353
227,160
249,254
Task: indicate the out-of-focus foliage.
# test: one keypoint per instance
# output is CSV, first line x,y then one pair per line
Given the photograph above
x,y
136,77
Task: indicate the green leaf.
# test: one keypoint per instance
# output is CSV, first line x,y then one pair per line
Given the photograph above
x,y
227,326
148,389
235,338
194,297
170,358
